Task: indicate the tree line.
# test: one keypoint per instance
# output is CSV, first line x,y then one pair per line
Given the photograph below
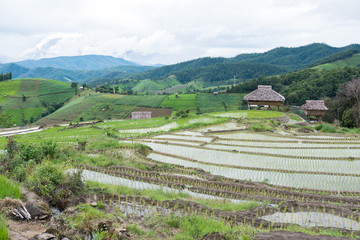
x,y
5,76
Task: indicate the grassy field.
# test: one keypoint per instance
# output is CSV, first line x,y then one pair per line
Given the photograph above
x,y
9,88
183,101
141,100
106,111
237,174
30,97
222,102
353,61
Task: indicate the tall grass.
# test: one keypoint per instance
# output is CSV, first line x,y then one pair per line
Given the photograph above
x,y
8,189
3,228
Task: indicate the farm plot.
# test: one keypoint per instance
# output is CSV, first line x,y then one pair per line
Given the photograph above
x,y
246,136
325,164
181,101
9,88
141,101
319,153
333,183
217,103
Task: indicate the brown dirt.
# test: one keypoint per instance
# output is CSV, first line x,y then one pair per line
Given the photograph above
x,y
155,112
283,235
23,230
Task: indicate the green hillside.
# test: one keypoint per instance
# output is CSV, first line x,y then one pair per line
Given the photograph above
x,y
246,66
101,106
352,61
27,100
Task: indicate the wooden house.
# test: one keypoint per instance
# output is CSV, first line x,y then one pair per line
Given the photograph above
x,y
315,108
264,96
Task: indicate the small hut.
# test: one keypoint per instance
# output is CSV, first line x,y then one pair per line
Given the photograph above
x,y
315,108
264,96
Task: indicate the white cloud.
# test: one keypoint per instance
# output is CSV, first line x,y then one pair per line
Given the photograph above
x,y
170,31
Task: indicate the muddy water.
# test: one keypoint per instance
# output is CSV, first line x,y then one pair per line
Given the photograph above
x,y
313,219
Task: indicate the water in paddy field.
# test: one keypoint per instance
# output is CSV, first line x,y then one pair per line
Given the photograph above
x,y
312,219
107,179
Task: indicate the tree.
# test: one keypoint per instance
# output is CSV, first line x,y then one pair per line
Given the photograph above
x,y
74,86
23,98
352,92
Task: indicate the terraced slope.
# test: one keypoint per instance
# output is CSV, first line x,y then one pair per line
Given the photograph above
x,y
25,100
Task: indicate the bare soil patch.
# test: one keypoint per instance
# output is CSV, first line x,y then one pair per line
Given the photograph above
x,y
155,112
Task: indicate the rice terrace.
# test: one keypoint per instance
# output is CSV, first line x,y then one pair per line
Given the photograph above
x,y
260,159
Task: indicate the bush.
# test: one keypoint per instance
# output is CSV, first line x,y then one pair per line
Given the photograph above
x,y
49,149
31,152
182,113
45,179
259,127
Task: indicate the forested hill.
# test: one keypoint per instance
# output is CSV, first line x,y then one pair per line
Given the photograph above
x,y
302,85
279,60
85,62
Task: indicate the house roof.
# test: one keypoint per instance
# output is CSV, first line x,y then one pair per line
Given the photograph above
x,y
314,105
264,93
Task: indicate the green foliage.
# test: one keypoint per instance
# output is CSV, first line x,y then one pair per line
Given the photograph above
x,y
326,128
6,120
5,76
8,188
215,103
337,58
45,178
141,101
9,88
348,118
181,101
4,232
49,148
182,113
245,66
195,227
259,127
306,84
106,111
134,229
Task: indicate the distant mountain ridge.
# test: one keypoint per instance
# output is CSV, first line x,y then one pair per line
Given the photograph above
x,y
84,62
80,76
275,61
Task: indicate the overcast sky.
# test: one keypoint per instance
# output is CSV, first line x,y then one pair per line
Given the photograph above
x,y
170,31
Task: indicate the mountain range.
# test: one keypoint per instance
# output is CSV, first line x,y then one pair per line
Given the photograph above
x,y
99,69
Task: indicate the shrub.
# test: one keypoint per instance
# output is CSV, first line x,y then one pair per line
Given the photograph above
x,y
29,151
45,179
182,113
49,149
259,127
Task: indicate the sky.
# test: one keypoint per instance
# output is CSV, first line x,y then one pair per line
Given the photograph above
x,y
170,31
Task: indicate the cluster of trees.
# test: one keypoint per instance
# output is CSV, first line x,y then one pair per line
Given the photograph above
x,y
346,106
303,85
5,76
339,87
50,108
106,89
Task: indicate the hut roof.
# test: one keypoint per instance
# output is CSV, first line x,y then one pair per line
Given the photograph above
x,y
264,93
317,105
